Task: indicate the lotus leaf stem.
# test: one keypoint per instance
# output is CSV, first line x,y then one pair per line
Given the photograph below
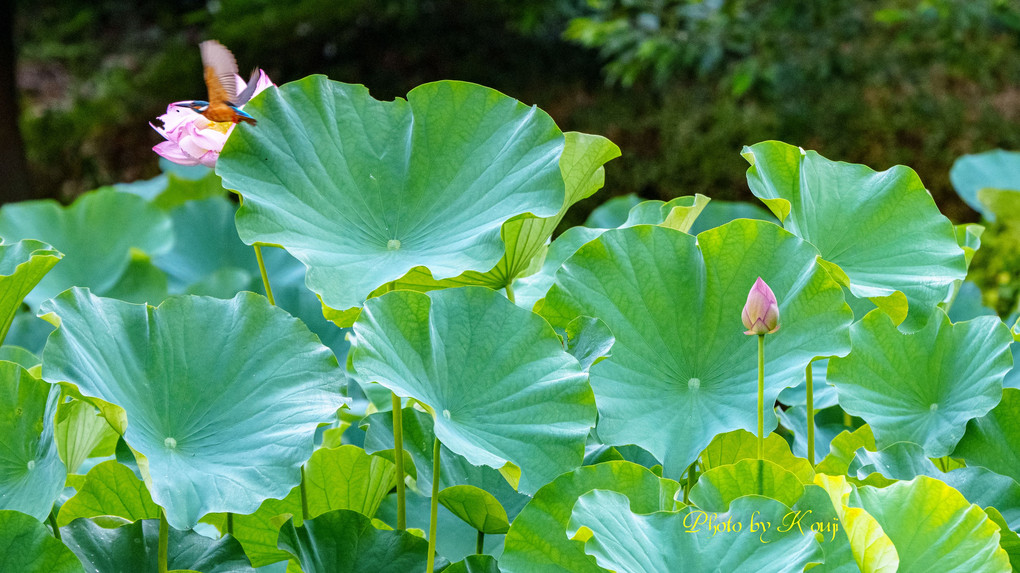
x,y
510,292
480,542
305,514
230,522
434,510
398,459
164,540
810,415
53,523
265,276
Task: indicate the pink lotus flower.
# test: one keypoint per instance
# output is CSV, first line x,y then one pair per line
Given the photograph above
x,y
761,312
191,138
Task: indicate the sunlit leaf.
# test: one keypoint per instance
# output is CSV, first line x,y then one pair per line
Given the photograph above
x,y
347,478
971,173
882,229
993,440
719,486
110,489
872,549
427,181
22,265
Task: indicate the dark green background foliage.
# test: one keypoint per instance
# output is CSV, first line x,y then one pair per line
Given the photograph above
x,y
680,86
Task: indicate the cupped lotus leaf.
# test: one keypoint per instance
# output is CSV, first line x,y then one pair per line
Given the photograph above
x,y
828,424
872,549
682,370
525,236
589,340
882,229
362,191
110,489
843,449
719,486
141,282
824,394
690,539
537,541
135,547
529,289
934,528
922,387
993,440
454,470
732,447
31,473
474,564
344,541
27,546
22,265
91,259
528,402
719,213
477,507
998,169
79,431
221,397
904,461
347,478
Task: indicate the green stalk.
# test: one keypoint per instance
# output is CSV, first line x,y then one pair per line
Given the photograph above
x,y
434,513
761,396
53,523
164,540
398,459
847,420
480,543
265,276
230,523
692,474
810,416
510,292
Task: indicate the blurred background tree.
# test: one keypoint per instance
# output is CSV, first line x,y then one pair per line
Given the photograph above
x,y
680,85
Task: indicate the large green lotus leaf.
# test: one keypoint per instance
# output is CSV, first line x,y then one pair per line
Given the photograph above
x,y
537,541
79,431
19,356
477,507
934,528
454,470
993,440
732,447
527,402
1008,540
688,539
904,461
589,340
363,191
998,169
26,546
719,213
613,212
22,265
828,424
31,473
719,486
922,387
682,370
96,233
221,397
526,236
347,478
344,541
871,548
882,229
824,394
135,547
110,489
141,282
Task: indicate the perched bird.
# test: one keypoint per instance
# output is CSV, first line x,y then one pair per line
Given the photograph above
x,y
221,79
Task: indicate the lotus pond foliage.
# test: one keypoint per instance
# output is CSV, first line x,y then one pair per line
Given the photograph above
x,y
356,345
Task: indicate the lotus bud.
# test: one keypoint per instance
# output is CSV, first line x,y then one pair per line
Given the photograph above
x,y
761,313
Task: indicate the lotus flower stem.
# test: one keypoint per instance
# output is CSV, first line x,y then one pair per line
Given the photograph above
x,y
265,277
164,540
480,542
810,415
761,396
434,510
398,459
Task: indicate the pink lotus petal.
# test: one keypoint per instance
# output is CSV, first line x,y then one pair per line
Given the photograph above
x,y
173,152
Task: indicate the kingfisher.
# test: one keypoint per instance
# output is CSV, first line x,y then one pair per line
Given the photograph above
x,y
221,79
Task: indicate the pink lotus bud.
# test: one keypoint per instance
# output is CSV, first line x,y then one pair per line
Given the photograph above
x,y
761,312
